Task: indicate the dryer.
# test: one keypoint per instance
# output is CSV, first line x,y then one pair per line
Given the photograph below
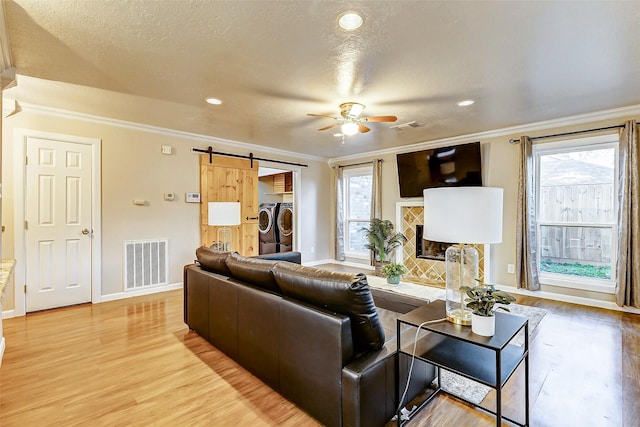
x,y
285,226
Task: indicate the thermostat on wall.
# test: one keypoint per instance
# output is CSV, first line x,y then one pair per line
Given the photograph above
x,y
192,198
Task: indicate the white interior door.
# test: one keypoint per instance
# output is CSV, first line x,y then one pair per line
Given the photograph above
x,y
58,224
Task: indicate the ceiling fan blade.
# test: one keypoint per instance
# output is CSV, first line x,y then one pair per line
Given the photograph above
x,y
380,119
322,115
363,128
330,126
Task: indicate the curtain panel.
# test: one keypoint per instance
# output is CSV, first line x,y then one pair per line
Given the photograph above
x,y
628,268
526,245
339,237
376,196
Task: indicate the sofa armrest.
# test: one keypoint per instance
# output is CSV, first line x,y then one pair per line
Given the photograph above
x,y
291,256
369,393
368,388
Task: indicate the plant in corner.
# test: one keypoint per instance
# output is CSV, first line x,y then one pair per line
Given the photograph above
x,y
393,271
383,239
482,300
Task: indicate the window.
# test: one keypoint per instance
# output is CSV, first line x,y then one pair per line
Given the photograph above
x,y
357,210
576,212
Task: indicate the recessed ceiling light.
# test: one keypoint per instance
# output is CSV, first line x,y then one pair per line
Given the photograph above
x,y
214,101
466,102
350,21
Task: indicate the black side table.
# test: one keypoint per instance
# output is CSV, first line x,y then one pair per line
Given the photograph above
x,y
488,360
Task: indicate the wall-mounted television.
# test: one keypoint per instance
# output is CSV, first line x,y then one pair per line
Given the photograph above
x,y
454,166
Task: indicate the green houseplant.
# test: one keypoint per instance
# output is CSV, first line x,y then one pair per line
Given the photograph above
x,y
482,300
383,239
393,271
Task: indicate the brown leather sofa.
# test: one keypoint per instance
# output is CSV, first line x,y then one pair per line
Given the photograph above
x,y
315,336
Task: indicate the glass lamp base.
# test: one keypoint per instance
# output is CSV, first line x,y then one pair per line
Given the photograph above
x,y
459,317
461,263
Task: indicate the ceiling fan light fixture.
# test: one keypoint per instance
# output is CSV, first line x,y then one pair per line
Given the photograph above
x,y
350,21
349,128
351,109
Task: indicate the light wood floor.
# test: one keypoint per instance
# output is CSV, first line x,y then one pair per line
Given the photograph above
x,y
134,362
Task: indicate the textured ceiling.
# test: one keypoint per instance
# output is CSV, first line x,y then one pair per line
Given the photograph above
x,y
154,62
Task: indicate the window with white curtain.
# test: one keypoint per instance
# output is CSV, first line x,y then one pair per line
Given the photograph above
x,y
357,210
577,212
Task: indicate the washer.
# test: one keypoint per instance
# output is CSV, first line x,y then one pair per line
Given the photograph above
x,y
285,226
267,216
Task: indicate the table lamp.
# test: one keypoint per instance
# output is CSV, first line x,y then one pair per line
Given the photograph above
x,y
224,214
463,216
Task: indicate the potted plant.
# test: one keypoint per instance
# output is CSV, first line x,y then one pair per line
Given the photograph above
x,y
482,300
383,239
393,271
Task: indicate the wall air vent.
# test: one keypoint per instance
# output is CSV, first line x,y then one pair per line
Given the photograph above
x,y
145,263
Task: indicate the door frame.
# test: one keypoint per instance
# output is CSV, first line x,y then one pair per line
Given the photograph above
x,y
297,189
20,137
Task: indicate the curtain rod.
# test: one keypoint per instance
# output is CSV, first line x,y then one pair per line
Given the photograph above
x,y
577,132
358,164
251,157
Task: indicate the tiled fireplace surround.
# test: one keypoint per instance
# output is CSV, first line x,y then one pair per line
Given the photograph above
x,y
424,271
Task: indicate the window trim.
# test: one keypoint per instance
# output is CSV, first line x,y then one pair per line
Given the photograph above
x,y
573,145
347,175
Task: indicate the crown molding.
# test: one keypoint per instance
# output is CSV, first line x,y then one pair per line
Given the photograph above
x,y
514,130
209,140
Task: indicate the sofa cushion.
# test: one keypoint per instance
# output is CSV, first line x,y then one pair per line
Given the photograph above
x,y
344,293
254,271
213,261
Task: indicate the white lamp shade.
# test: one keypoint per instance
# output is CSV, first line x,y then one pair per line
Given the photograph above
x,y
463,214
224,213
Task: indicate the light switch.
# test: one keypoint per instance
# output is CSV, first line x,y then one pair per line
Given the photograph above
x,y
167,149
169,196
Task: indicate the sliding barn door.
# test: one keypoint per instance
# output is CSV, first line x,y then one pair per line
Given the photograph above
x,y
227,179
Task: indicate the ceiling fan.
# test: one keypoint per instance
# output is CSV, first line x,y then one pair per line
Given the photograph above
x,y
351,122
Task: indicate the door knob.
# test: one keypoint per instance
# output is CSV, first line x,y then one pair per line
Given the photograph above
x,y
85,231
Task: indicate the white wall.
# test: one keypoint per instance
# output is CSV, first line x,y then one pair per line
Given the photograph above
x,y
134,168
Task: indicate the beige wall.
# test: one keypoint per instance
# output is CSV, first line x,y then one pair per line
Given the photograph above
x,y
134,168
500,169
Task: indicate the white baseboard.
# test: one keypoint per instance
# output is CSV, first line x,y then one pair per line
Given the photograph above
x,y
8,314
140,292
320,261
569,298
2,345
346,263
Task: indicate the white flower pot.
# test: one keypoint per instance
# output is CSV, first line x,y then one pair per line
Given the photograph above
x,y
482,325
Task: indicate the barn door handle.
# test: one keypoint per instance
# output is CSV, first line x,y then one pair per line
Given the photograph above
x,y
252,217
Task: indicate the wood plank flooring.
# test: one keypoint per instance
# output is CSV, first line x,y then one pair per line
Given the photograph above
x,y
134,363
